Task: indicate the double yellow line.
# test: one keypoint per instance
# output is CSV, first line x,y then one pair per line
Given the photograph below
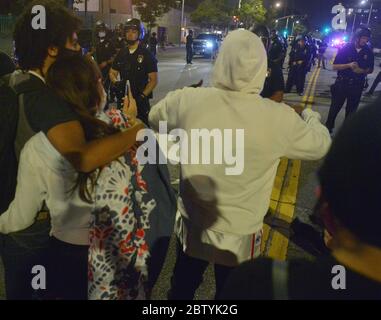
x,y
284,193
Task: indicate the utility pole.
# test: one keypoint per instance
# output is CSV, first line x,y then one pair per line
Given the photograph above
x,y
370,12
354,22
182,21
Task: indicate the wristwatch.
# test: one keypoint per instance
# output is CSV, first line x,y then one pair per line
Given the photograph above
x,y
142,95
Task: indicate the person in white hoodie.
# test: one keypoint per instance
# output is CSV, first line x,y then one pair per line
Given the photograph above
x,y
220,216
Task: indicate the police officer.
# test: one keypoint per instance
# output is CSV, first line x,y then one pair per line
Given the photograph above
x,y
353,63
298,64
322,49
189,47
153,44
104,51
136,64
276,52
274,84
119,37
119,42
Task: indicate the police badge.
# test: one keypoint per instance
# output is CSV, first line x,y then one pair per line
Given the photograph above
x,y
140,58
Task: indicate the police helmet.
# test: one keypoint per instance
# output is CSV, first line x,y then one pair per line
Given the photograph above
x,y
100,25
119,27
363,32
136,25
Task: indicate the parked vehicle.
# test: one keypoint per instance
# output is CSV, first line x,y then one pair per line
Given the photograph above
x,y
206,44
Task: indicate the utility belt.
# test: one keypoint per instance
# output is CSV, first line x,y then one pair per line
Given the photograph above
x,y
298,63
350,81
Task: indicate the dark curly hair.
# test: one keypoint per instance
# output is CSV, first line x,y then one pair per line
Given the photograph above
x,y
31,46
350,175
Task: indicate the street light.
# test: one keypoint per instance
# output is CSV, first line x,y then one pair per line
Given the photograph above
x,y
182,22
370,11
278,5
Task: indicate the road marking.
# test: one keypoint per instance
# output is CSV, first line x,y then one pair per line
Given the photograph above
x,y
282,205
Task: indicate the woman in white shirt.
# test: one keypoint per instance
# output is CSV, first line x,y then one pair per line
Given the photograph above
x,y
114,212
47,180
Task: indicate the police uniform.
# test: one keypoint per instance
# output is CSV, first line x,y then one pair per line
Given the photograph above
x,y
135,67
119,43
276,53
274,80
349,85
299,59
105,51
153,45
322,49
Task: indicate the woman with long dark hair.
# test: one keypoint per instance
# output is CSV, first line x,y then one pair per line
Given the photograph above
x,y
123,204
133,204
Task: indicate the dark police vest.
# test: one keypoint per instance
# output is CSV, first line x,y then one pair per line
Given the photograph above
x,y
135,67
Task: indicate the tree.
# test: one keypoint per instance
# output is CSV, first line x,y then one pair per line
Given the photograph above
x,y
151,10
251,11
212,13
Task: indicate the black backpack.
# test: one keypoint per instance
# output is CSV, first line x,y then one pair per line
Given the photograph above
x,y
8,129
15,131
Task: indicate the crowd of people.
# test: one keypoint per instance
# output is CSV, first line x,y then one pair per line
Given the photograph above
x,y
77,199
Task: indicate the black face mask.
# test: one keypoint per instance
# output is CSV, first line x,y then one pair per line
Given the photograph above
x,y
67,53
131,42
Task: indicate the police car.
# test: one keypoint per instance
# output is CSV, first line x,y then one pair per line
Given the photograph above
x,y
206,44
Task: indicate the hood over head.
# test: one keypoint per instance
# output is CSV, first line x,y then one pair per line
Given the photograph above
x,y
241,64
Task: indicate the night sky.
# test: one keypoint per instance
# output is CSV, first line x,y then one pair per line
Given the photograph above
x,y
319,11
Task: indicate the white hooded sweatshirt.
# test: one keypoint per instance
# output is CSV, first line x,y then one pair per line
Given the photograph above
x,y
236,204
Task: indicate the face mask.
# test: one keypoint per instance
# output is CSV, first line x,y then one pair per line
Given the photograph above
x,y
102,34
131,42
66,53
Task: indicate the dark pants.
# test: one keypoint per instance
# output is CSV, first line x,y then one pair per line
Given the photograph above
x,y
143,109
20,252
321,60
188,276
153,50
67,273
296,76
343,91
189,54
375,83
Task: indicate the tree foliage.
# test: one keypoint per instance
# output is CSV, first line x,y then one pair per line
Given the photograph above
x,y
251,12
151,10
212,13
